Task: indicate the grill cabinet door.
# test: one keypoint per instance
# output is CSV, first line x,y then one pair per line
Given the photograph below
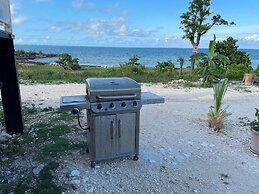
x,y
126,132
105,130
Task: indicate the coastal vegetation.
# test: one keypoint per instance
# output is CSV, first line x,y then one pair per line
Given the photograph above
x,y
67,62
195,23
23,56
210,68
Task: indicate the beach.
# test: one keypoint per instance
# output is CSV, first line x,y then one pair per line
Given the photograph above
x,y
179,153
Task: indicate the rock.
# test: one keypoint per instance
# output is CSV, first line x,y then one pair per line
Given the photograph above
x,y
186,155
204,144
91,190
152,161
4,137
36,171
4,159
75,182
74,173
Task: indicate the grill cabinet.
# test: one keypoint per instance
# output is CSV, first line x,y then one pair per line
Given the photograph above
x,y
113,117
113,113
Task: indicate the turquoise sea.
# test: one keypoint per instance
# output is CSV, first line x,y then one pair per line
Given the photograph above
x,y
114,56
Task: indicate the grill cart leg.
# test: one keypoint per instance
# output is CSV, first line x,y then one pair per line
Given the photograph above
x,y
92,164
136,158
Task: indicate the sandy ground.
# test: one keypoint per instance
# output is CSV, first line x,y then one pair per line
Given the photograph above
x,y
178,152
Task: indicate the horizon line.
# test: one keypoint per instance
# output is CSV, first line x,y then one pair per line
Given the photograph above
x,y
97,46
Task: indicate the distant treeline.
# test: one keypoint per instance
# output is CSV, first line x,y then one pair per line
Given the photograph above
x,y
23,56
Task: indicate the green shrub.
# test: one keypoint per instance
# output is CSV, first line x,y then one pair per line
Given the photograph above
x,y
132,66
165,66
236,72
67,62
257,71
228,48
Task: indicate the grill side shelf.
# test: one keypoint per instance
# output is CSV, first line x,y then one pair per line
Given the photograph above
x,y
67,103
151,98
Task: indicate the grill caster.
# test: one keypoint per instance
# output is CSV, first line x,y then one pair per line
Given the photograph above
x,y
135,158
93,164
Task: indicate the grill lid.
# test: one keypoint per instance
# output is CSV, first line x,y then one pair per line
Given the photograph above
x,y
108,89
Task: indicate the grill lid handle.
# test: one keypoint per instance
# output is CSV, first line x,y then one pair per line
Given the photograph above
x,y
125,97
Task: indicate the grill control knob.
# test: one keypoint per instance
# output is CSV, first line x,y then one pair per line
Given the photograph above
x,y
134,103
111,105
123,104
99,106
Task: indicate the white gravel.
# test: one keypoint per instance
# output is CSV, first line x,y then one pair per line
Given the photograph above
x,y
178,152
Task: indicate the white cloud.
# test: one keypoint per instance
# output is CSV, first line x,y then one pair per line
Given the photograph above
x,y
20,19
16,17
166,39
55,28
254,37
81,4
116,26
18,41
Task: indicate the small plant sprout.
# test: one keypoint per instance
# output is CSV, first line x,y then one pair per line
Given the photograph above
x,y
255,124
217,115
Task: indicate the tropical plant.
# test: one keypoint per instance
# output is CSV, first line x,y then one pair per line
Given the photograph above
x,y
236,72
180,60
217,115
255,124
132,66
133,60
67,62
229,48
257,71
207,68
195,22
165,66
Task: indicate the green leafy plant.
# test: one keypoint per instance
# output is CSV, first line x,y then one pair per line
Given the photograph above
x,y
217,115
195,22
255,124
180,60
132,66
165,66
236,72
257,71
228,48
207,68
68,63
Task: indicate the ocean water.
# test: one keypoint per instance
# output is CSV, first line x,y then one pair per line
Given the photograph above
x,y
114,56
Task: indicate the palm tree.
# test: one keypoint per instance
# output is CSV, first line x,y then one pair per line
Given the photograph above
x,y
181,61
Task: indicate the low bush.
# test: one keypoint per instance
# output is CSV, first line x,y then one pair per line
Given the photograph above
x,y
165,66
236,72
68,63
132,66
257,71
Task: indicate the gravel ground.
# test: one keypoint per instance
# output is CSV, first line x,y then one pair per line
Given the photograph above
x,y
178,152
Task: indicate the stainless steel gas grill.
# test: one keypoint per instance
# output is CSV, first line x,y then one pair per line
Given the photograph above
x,y
113,112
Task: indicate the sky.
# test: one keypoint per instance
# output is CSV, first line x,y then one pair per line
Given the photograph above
x,y
126,23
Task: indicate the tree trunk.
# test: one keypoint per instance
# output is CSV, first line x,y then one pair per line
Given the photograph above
x,y
194,50
181,70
